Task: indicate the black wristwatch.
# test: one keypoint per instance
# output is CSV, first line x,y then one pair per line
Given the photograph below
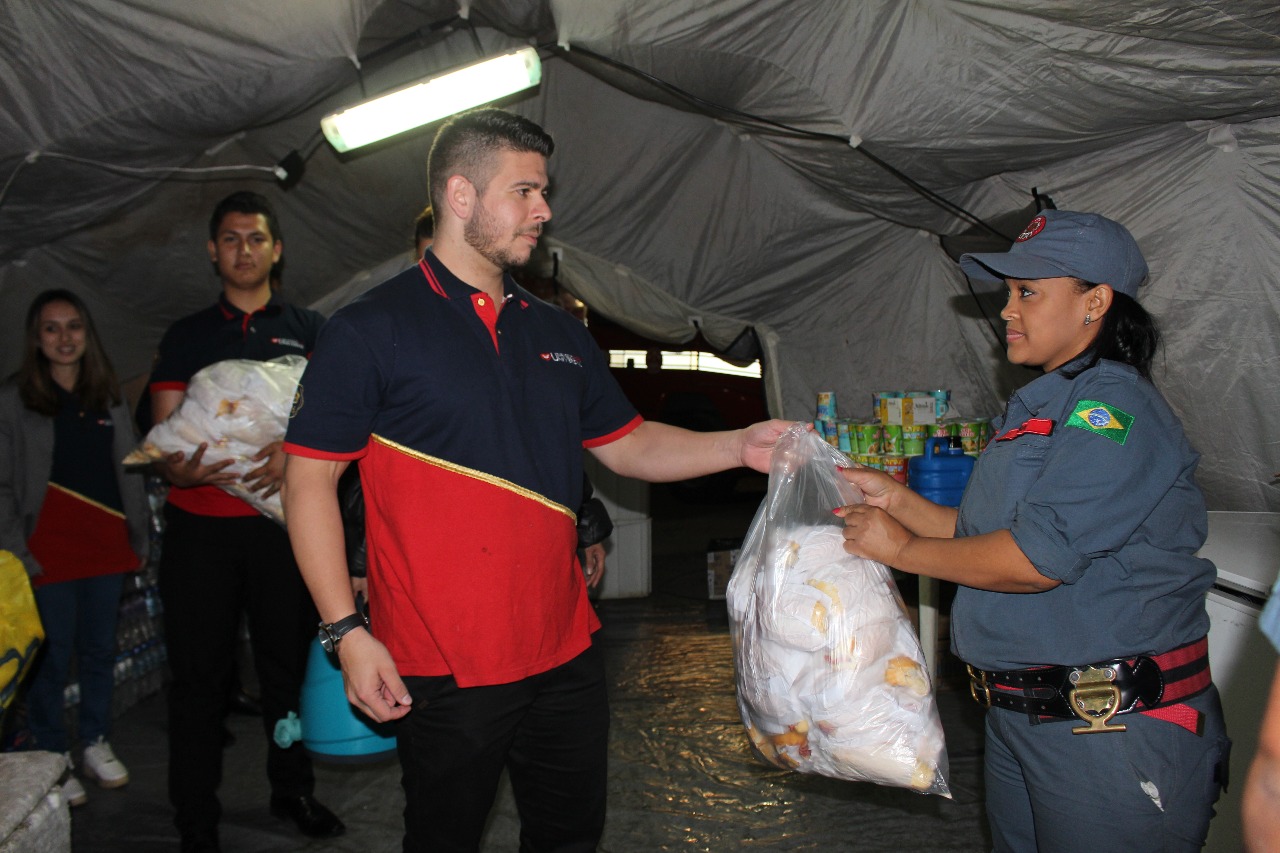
x,y
332,632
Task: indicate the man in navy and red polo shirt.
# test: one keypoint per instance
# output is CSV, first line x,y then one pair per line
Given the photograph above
x,y
221,557
468,401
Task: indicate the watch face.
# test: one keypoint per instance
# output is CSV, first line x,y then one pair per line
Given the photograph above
x,y
331,634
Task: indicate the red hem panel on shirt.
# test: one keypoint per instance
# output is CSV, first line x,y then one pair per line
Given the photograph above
x,y
168,386
630,426
469,575
312,453
210,501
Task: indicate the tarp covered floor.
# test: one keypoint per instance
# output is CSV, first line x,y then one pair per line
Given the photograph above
x,y
681,776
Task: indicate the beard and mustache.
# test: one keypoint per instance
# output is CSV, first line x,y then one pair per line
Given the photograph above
x,y
485,234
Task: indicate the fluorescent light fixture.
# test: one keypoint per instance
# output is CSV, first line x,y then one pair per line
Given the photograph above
x,y
433,99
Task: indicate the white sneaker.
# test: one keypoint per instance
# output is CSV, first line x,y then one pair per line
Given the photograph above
x,y
100,763
72,791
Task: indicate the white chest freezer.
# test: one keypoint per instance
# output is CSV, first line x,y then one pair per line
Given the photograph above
x,y
1245,547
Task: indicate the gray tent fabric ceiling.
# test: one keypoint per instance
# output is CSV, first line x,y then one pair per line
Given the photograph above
x,y
711,172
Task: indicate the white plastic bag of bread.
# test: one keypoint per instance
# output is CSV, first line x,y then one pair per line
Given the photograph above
x,y
238,406
831,678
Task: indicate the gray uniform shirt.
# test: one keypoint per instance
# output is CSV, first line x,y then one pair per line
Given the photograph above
x,y
1107,504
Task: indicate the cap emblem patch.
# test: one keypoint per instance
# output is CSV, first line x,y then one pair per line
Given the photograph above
x,y
1033,228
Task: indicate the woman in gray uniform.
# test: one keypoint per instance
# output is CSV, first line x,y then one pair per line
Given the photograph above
x,y
1080,611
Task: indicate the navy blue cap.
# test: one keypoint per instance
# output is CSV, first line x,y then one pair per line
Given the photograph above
x,y
1064,243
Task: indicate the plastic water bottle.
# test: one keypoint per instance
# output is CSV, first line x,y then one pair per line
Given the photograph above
x,y
942,472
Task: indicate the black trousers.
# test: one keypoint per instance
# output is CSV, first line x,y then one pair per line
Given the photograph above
x,y
551,733
212,570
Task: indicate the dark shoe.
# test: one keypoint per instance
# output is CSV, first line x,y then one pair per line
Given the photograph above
x,y
199,844
312,818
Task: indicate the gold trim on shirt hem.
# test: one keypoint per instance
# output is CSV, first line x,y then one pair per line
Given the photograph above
x,y
474,474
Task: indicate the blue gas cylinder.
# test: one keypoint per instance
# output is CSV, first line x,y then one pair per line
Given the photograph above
x,y
332,729
942,472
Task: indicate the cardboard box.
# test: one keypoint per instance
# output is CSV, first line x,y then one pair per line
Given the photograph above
x,y
908,411
722,554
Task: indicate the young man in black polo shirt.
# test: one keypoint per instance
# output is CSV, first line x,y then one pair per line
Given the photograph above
x,y
221,557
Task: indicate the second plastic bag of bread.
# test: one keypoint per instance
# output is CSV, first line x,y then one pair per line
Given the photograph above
x,y
831,678
238,407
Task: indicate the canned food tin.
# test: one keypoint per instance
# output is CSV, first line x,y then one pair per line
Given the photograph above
x,y
867,434
972,435
945,428
987,435
826,405
844,441
891,440
895,465
941,401
831,433
870,460
913,439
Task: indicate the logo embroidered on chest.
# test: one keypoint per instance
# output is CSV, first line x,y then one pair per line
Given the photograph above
x,y
1100,419
288,342
562,357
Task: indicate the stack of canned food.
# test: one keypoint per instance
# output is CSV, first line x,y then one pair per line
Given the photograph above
x,y
883,441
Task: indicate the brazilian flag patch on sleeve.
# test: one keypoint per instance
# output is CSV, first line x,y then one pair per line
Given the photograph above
x,y
1101,419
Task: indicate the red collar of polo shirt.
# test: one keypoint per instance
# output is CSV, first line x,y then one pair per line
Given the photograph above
x,y
1035,426
231,312
438,285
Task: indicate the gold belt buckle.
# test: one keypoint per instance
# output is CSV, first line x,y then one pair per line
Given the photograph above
x,y
1095,698
978,681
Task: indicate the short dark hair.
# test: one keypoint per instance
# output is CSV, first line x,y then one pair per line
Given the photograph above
x,y
245,202
467,142
96,385
251,203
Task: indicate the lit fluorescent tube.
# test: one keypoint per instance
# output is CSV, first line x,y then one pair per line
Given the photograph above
x,y
433,99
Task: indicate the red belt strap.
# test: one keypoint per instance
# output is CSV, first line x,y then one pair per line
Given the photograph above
x,y
1183,673
1186,673
1185,670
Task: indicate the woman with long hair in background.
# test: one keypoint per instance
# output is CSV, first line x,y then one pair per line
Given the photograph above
x,y
74,518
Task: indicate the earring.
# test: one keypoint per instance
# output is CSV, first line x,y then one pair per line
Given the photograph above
x,y
1088,318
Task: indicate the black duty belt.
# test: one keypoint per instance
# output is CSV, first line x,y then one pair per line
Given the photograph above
x,y
1095,693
